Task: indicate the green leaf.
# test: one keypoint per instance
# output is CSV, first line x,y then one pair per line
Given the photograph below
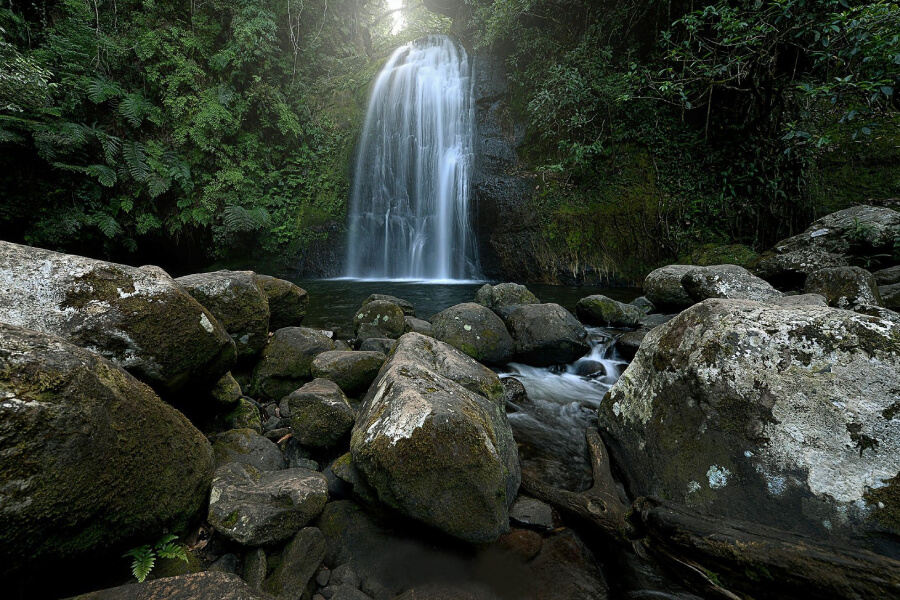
x,y
105,175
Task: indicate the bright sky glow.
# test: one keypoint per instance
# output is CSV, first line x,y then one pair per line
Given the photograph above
x,y
396,17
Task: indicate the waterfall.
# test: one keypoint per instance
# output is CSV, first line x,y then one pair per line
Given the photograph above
x,y
409,209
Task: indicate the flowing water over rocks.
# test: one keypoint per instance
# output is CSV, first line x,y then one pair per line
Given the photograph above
x,y
409,212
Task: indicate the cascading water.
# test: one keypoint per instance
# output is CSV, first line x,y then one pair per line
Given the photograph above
x,y
409,210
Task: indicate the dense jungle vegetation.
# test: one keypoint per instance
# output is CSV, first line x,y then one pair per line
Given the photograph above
x,y
130,128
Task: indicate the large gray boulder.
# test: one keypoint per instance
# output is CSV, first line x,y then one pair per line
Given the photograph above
x,y
436,451
405,305
783,416
844,287
237,302
208,585
92,458
504,296
418,326
259,508
603,311
890,295
247,447
287,302
379,319
320,414
727,281
835,240
546,334
662,287
352,371
137,318
447,361
286,362
476,331
292,578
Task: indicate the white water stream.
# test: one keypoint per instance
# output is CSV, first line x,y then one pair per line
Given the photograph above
x,y
409,209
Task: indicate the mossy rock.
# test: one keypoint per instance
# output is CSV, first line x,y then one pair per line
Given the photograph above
x,y
227,391
244,416
137,318
546,334
237,302
95,460
286,362
603,311
287,302
320,414
379,319
475,330
352,371
712,254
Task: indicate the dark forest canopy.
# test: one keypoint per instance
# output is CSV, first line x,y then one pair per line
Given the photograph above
x,y
226,127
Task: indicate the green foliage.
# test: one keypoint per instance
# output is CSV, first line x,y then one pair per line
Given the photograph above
x,y
144,557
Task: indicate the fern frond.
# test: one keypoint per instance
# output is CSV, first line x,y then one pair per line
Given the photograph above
x,y
101,89
142,562
239,219
126,204
107,225
111,147
105,175
158,185
130,244
135,156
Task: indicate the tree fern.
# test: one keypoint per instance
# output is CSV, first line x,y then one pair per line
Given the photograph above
x,y
239,219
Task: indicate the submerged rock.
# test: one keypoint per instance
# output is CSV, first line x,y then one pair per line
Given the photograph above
x,y
137,318
783,416
379,319
287,302
727,281
352,371
258,508
475,330
603,311
436,451
662,287
320,414
92,458
844,287
237,302
546,334
286,362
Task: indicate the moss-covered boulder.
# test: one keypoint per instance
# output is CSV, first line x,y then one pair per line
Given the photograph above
x,y
92,458
447,361
475,330
783,416
418,326
226,393
405,305
259,508
503,296
293,576
286,361
546,334
732,254
244,415
435,451
844,287
727,281
352,371
860,233
379,319
662,287
247,447
237,302
600,310
137,318
383,345
209,585
320,414
287,302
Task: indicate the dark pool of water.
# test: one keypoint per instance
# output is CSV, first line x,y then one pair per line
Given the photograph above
x,y
333,302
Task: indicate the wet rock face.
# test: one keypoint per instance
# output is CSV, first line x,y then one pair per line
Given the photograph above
x,y
436,451
286,362
237,302
546,334
258,508
663,288
784,416
727,281
287,302
476,331
92,457
137,318
836,240
844,287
